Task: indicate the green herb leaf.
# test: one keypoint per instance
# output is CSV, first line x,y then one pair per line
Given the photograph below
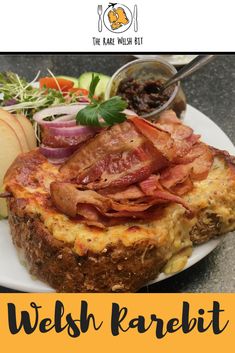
x,y
107,113
89,115
111,110
94,82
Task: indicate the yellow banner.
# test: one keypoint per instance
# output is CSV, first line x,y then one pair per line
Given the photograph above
x,y
117,323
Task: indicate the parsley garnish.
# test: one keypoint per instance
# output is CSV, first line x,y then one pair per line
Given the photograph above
x,y
98,113
95,79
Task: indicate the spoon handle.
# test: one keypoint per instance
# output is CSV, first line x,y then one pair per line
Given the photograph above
x,y
188,69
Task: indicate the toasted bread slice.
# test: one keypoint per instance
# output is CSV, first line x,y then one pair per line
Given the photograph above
x,y
73,257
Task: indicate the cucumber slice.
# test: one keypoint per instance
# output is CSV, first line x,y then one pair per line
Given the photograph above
x,y
73,79
85,80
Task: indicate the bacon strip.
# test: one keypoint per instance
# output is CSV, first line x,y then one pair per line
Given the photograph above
x,y
132,192
196,151
124,169
182,188
132,170
119,156
161,140
129,152
168,116
150,185
175,175
153,187
177,131
202,164
73,202
169,135
117,139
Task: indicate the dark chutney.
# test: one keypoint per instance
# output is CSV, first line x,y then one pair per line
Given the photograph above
x,y
143,97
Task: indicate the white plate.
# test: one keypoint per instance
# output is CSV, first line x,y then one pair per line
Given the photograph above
x,y
176,60
14,275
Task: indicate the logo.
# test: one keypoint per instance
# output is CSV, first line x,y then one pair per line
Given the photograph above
x,y
117,18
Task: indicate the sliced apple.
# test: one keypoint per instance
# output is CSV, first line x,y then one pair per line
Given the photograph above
x,y
16,126
3,209
29,131
3,206
9,150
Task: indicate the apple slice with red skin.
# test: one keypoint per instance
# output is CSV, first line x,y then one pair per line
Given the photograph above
x,y
16,126
10,149
28,130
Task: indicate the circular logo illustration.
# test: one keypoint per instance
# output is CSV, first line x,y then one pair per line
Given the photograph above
x,y
117,18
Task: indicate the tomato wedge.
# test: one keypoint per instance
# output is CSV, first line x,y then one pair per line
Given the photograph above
x,y
50,82
79,91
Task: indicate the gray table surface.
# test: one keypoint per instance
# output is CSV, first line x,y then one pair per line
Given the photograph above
x,y
212,91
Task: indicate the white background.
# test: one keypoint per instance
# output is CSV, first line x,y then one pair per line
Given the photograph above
x,y
165,25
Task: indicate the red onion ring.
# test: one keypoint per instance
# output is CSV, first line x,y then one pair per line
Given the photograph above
x,y
69,117
57,153
74,131
70,112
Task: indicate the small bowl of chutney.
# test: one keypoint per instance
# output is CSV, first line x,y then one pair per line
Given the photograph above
x,y
139,83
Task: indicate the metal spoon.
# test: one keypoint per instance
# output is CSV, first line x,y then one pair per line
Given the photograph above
x,y
188,69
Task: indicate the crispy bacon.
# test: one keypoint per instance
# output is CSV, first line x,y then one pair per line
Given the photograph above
x,y
118,139
66,197
174,175
170,123
123,169
169,136
128,153
119,156
161,139
183,135
177,179
153,187
195,165
151,184
182,188
202,164
131,171
196,151
193,139
74,202
168,116
92,217
132,192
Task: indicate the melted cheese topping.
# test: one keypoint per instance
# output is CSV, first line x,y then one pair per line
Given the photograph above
x,y
216,194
